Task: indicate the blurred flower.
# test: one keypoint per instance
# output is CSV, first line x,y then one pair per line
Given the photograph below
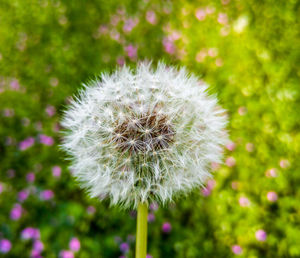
x,y
223,18
209,187
234,185
242,110
131,51
30,233
124,247
121,60
284,163
15,85
27,143
136,122
215,166
200,14
91,209
74,244
230,161
30,177
11,173
250,147
244,202
53,81
151,17
166,227
129,24
35,254
38,246
271,172
154,206
46,195
23,195
66,254
240,24
5,246
236,249
151,217
46,140
149,256
16,212
261,235
169,46
1,187
8,112
272,196
230,146
56,171
50,110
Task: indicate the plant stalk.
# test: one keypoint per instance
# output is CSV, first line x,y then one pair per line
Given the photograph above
x,y
141,231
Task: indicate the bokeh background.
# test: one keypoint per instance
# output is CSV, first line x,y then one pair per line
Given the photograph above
x,y
248,51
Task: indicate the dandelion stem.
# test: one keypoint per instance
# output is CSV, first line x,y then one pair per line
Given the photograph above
x,y
141,235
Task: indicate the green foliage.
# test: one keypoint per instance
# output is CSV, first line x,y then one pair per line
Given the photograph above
x,y
248,51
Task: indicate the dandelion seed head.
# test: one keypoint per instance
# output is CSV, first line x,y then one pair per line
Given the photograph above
x,y
143,135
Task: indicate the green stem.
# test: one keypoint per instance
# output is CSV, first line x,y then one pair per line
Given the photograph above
x,y
141,234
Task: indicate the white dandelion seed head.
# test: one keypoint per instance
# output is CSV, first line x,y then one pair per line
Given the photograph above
x,y
143,135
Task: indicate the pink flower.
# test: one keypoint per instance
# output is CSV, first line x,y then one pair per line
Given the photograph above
x,y
30,177
66,254
15,85
200,14
131,51
74,244
46,140
272,196
130,24
16,212
154,206
230,161
271,172
284,163
27,143
38,246
23,195
169,46
166,227
230,146
223,18
50,110
5,246
30,233
121,60
91,210
236,249
151,17
1,187
244,202
151,217
46,195
242,111
124,247
261,235
56,171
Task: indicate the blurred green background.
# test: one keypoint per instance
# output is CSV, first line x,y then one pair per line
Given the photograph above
x,y
248,51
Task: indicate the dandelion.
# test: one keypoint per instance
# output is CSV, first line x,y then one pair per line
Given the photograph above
x,y
142,136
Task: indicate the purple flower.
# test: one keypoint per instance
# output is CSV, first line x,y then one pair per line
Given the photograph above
x,y
23,195
90,209
154,206
131,51
38,245
66,254
50,110
5,246
46,195
30,233
149,256
56,171
151,17
1,187
16,212
166,227
30,177
261,235
236,249
74,244
46,140
35,254
27,143
124,247
151,217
